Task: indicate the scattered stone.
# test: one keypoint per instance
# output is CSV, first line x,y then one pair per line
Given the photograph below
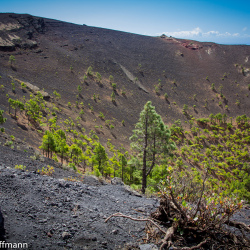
x,y
117,181
66,235
129,190
148,247
115,231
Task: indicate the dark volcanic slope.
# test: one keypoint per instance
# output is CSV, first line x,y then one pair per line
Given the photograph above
x,y
45,50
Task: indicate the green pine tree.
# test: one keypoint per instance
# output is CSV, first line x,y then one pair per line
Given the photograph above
x,y
151,138
48,143
2,119
100,157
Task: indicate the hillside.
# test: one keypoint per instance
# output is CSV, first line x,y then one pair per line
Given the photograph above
x,y
55,55
70,96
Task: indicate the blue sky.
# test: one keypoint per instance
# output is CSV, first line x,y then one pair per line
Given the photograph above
x,y
219,21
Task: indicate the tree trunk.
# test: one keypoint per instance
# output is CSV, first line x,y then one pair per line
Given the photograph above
x,y
144,166
122,172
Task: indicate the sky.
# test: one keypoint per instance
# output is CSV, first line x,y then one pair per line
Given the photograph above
x,y
220,21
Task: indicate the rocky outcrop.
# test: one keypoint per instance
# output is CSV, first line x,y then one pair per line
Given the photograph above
x,y
33,88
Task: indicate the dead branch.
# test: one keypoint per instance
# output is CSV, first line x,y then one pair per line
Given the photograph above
x,y
168,236
135,219
177,205
191,248
238,225
203,187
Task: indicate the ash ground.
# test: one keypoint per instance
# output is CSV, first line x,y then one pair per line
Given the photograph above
x,y
51,213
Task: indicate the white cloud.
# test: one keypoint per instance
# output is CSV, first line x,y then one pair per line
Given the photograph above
x,y
197,32
227,34
186,33
244,29
212,32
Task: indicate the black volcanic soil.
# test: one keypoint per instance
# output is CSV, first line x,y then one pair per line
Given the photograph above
x,y
52,213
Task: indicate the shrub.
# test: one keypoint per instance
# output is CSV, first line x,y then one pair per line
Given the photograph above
x,y
21,167
13,86
114,86
98,76
49,170
194,209
111,78
101,115
237,102
185,108
213,86
89,71
23,85
113,96
156,89
11,60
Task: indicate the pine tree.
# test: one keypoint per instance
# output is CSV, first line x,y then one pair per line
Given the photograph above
x,y
100,157
61,145
48,143
123,163
75,153
151,138
11,60
2,120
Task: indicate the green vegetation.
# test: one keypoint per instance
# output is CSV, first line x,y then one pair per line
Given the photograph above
x,y
111,79
216,147
157,89
15,104
85,78
13,86
23,85
151,139
2,120
99,77
57,95
114,86
213,86
90,71
113,96
12,60
49,170
184,109
101,115
79,89
21,167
